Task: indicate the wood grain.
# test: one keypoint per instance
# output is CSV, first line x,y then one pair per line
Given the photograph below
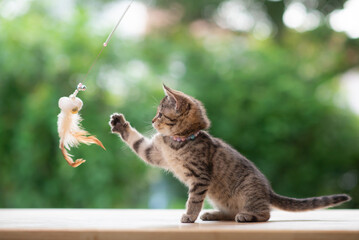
x,y
165,224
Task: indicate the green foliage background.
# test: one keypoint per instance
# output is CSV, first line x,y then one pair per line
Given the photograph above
x,y
273,100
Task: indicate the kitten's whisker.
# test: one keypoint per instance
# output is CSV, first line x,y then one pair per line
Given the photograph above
x,y
150,132
155,104
156,100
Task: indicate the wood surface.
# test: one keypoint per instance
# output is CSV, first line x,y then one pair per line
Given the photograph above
x,y
165,224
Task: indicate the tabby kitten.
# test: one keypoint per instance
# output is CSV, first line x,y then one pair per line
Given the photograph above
x,y
209,166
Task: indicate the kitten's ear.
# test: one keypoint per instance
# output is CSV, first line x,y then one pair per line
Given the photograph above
x,y
180,99
169,92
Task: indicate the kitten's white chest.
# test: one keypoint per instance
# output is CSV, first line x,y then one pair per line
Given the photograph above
x,y
176,166
174,160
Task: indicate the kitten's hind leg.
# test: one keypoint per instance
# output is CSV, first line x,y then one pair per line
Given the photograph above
x,y
258,211
217,216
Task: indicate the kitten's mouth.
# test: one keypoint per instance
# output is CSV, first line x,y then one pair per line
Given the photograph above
x,y
157,127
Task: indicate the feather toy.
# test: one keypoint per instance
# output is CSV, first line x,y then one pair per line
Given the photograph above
x,y
70,131
68,122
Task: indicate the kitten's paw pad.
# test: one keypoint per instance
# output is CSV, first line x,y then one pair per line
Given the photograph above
x,y
118,123
117,118
243,217
209,217
187,219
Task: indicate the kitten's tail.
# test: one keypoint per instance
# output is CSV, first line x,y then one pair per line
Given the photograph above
x,y
305,204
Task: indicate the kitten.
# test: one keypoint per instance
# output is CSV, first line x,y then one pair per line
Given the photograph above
x,y
209,166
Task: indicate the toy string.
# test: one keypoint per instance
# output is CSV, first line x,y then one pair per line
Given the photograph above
x,y
80,86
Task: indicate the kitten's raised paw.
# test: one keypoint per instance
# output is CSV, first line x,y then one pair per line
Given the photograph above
x,y
187,219
118,122
117,118
119,125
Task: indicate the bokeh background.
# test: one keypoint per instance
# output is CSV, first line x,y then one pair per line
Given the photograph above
x,y
280,81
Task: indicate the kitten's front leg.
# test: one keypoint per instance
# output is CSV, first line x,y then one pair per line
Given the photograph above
x,y
141,145
197,194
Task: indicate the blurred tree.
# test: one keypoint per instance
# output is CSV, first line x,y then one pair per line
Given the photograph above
x,y
273,9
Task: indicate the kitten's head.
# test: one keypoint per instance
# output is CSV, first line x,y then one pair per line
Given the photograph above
x,y
179,115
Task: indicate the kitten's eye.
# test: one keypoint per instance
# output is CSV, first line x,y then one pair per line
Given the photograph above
x,y
159,115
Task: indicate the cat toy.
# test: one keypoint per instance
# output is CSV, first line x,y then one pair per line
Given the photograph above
x,y
70,131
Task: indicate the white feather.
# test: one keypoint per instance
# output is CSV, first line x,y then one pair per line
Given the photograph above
x,y
68,124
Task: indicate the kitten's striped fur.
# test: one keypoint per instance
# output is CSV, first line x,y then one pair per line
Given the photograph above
x,y
208,166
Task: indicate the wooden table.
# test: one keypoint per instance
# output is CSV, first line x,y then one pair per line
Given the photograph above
x,y
165,224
